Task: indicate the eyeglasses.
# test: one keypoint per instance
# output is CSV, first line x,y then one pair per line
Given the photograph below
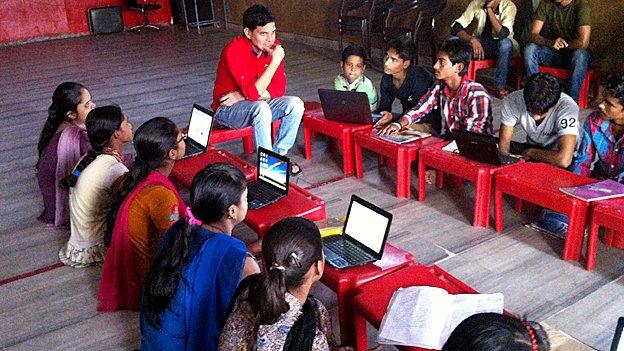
x,y
184,136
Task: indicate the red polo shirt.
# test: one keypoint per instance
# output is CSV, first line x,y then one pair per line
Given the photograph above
x,y
239,68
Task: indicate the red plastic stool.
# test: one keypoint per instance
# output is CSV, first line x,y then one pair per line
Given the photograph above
x,y
539,183
516,64
403,154
315,122
371,303
185,169
346,281
592,74
221,134
608,214
433,156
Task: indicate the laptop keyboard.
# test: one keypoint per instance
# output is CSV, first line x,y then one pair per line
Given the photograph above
x,y
191,149
346,251
260,195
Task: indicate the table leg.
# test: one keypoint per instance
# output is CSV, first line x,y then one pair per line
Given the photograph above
x,y
248,144
361,339
307,142
498,210
483,188
592,242
347,152
402,173
576,228
422,181
357,154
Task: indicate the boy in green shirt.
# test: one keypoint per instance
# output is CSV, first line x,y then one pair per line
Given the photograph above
x,y
352,77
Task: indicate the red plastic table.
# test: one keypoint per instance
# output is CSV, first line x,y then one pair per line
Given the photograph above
x,y
433,156
298,203
371,301
345,281
539,183
316,123
608,214
184,170
403,154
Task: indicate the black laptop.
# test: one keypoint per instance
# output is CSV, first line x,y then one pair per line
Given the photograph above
x,y
482,148
272,181
346,106
363,237
198,135
616,344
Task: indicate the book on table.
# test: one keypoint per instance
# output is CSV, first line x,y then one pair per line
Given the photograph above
x,y
602,190
425,316
404,136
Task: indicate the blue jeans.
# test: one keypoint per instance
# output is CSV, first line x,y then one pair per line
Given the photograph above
x,y
577,60
260,114
501,49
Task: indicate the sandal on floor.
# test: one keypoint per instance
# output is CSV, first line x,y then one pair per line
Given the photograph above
x,y
295,169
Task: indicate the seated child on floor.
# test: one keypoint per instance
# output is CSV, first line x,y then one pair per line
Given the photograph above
x,y
352,78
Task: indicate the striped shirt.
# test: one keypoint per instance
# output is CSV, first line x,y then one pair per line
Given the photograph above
x,y
597,141
470,109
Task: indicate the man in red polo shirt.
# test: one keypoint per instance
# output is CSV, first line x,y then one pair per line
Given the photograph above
x,y
250,84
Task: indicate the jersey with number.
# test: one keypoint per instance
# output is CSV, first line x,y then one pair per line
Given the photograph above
x,y
562,119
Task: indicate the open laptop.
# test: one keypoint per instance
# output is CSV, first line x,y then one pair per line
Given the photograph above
x,y
272,181
482,148
617,344
346,106
363,237
198,135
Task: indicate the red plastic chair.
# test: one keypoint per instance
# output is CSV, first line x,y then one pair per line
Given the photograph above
x,y
402,154
432,156
371,303
516,65
608,214
539,183
593,75
346,281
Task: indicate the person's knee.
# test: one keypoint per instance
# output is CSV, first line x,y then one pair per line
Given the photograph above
x,y
296,106
531,51
505,46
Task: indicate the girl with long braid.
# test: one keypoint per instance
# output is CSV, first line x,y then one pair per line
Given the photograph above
x,y
146,206
91,186
193,277
62,142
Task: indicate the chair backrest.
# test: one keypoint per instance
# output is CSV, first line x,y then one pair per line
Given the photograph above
x,y
350,5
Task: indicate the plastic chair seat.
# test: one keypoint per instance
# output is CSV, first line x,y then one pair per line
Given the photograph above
x,y
433,156
539,183
185,169
516,63
343,132
592,75
608,214
344,283
298,203
403,154
371,302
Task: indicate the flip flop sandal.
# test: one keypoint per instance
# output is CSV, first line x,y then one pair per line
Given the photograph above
x,y
295,169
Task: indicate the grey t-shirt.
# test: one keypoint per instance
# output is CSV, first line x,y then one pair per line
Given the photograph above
x,y
561,120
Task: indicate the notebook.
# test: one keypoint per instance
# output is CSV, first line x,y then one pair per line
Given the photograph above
x,y
616,345
404,136
272,179
602,190
363,236
482,148
346,106
200,125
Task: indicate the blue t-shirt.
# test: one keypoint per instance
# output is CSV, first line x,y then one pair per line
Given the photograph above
x,y
197,313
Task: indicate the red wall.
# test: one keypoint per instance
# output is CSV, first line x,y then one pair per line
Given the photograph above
x,y
23,20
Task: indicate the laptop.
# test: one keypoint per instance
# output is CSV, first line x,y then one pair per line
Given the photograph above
x,y
482,148
198,135
616,345
272,179
363,236
346,106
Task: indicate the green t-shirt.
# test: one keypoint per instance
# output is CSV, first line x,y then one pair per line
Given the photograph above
x,y
562,22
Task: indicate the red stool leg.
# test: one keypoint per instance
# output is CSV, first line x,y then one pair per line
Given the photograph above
x,y
402,173
357,154
584,92
422,175
345,315
248,144
307,142
361,339
347,152
498,210
483,189
574,238
592,242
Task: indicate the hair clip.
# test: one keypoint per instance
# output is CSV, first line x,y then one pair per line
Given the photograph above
x,y
531,336
295,259
76,173
278,267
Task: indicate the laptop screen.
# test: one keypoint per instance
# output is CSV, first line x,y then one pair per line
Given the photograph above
x,y
618,343
272,170
199,126
366,226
